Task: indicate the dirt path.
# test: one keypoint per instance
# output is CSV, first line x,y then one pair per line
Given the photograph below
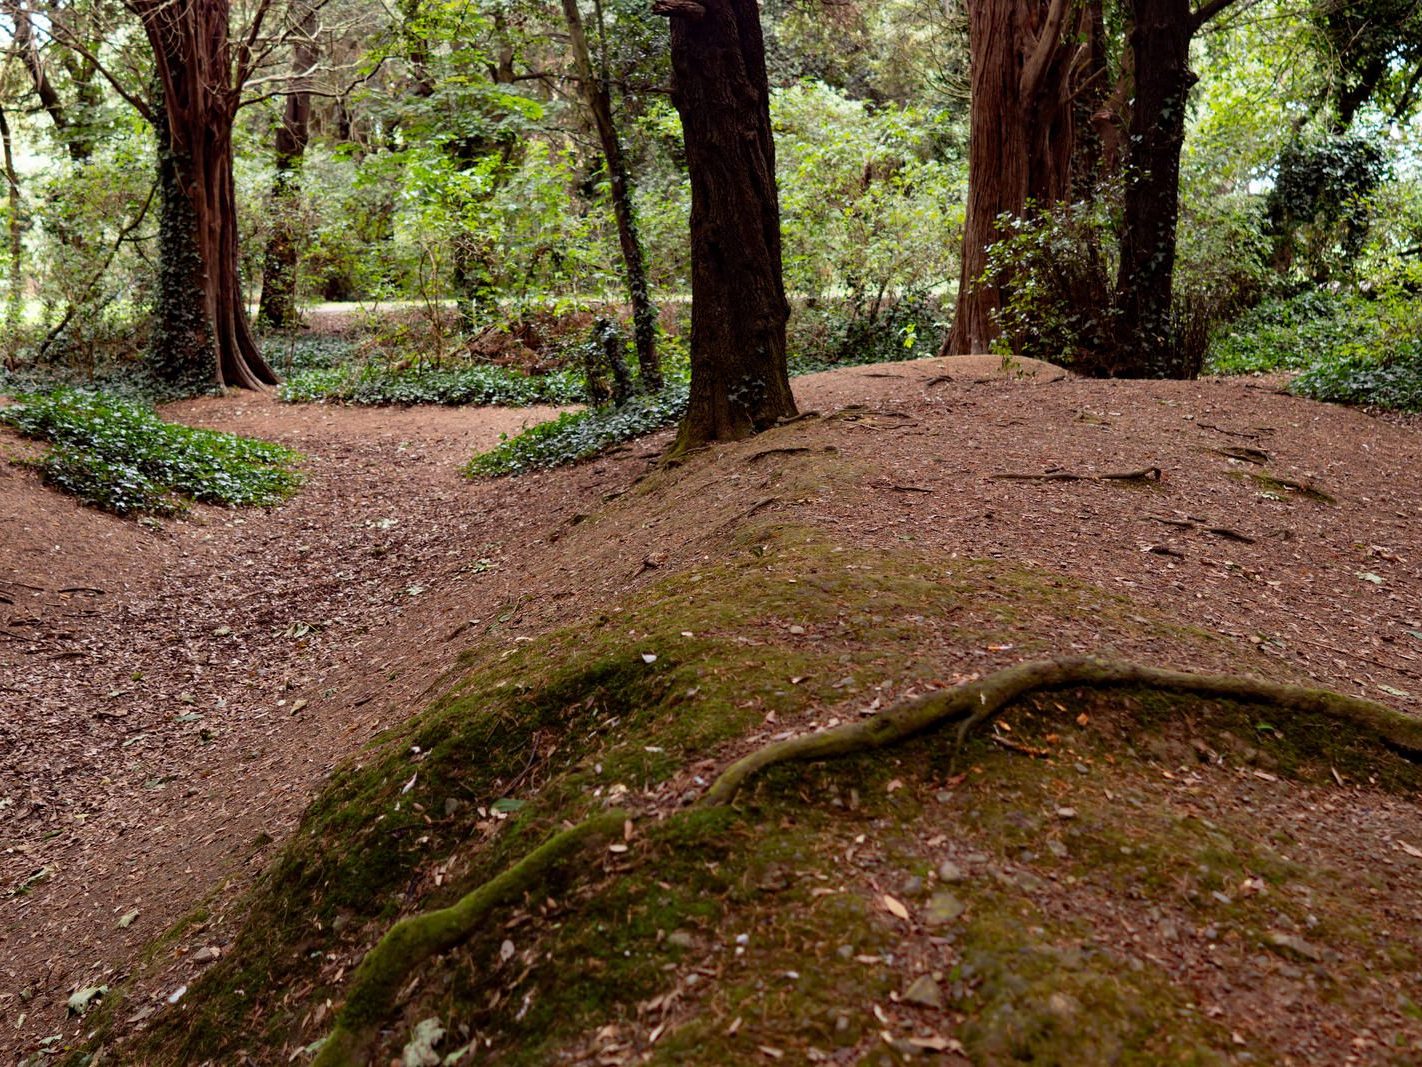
x,y
171,697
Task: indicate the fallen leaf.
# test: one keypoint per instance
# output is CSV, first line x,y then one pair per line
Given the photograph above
x,y
1411,850
893,907
1369,576
126,920
649,657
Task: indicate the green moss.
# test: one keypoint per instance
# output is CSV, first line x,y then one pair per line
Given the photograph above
x,y
530,738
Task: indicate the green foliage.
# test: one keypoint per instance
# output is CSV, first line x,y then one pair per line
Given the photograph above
x,y
578,435
1319,210
1392,380
1353,349
121,457
290,354
869,203
829,334
1291,333
377,384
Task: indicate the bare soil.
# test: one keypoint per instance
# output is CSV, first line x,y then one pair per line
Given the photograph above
x,y
171,696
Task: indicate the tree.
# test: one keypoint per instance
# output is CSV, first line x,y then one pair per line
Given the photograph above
x,y
14,301
599,100
278,304
1145,335
201,335
1026,65
739,380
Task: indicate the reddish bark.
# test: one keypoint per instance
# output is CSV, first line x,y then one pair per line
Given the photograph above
x,y
200,73
1021,139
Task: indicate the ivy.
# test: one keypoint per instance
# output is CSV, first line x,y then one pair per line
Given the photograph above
x,y
577,435
374,384
121,457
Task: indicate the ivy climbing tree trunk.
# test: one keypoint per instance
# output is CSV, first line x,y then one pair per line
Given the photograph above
x,y
201,334
739,380
599,101
1024,57
1145,343
14,302
277,309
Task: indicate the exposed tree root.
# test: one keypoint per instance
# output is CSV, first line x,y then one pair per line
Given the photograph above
x,y
415,939
974,703
1193,523
1145,474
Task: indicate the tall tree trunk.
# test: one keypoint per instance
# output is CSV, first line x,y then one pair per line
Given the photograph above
x,y
14,302
202,336
1020,144
1160,44
599,101
277,309
739,381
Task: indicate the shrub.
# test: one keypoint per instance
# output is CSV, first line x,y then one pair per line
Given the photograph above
x,y
121,457
825,335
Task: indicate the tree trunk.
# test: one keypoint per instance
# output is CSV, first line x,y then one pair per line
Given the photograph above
x,y
14,303
599,101
739,381
1160,44
1020,144
201,336
277,309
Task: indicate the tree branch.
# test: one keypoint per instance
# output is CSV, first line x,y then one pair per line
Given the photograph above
x,y
1035,69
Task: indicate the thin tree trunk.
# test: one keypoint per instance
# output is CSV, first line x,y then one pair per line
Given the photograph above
x,y
739,381
279,263
1160,43
14,304
202,336
599,101
1020,144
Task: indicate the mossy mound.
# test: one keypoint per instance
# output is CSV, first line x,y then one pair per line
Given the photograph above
x,y
817,920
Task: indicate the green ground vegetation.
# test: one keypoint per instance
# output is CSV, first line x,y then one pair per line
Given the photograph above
x,y
120,456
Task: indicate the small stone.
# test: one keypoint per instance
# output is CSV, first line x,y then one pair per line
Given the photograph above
x,y
1057,848
948,871
452,805
913,887
1063,1005
681,939
797,630
1082,768
924,992
942,908
845,952
1294,947
207,954
1066,813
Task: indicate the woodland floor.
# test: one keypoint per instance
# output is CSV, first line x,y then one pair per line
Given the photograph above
x,y
172,695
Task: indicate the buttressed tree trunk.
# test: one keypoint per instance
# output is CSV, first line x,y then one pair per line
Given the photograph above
x,y
1024,57
739,381
201,335
599,100
279,263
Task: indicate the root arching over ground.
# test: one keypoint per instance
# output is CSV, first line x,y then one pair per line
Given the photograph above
x,y
417,938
